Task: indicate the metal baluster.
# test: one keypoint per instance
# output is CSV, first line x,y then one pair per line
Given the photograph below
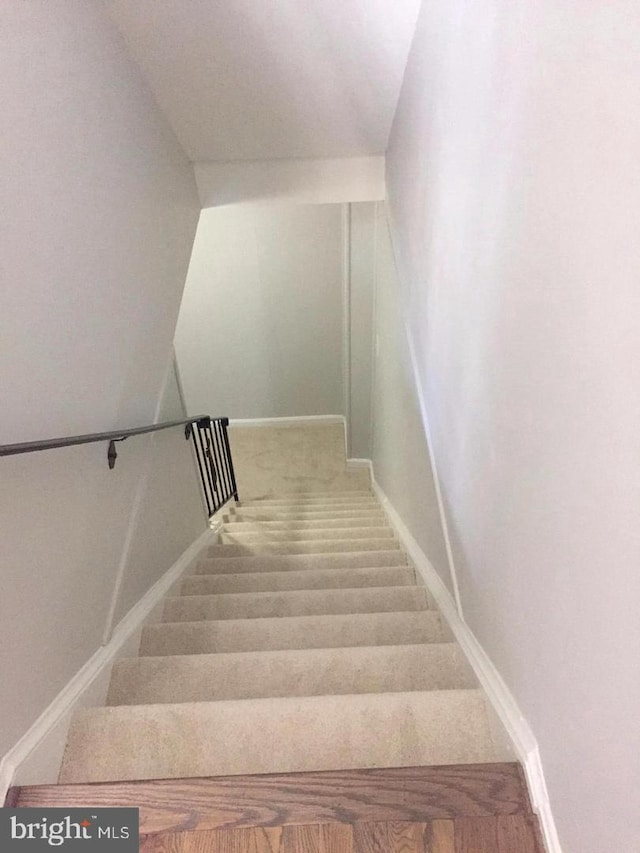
x,y
220,456
215,468
202,426
225,459
202,475
225,423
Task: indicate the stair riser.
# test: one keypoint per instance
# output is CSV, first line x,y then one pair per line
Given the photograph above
x,y
327,546
230,537
324,579
191,608
311,672
323,500
329,495
318,524
305,508
307,632
301,562
212,739
327,516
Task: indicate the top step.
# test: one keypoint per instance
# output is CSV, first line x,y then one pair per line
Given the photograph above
x,y
308,512
348,493
315,500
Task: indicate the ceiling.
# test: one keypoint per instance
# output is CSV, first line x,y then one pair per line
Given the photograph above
x,y
257,79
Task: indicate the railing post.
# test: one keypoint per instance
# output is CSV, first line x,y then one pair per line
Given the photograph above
x,y
203,426
217,453
225,423
198,451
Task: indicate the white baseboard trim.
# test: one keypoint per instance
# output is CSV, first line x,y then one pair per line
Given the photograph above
x,y
43,744
498,694
301,420
358,464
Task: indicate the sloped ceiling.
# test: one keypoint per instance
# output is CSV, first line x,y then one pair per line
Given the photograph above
x,y
257,79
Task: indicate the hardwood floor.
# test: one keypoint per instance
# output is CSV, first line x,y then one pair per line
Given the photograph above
x,y
462,809
511,834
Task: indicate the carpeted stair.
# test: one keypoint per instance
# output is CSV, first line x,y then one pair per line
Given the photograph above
x,y
302,642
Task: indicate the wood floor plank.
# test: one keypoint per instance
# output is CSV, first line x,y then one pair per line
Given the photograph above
x,y
317,838
476,835
251,840
517,834
301,839
336,838
503,834
371,838
262,840
414,794
389,837
406,837
440,837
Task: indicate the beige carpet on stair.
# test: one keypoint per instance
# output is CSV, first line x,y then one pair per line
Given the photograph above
x,y
301,641
285,459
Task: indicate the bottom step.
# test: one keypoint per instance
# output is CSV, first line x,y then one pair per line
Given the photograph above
x,y
400,794
295,735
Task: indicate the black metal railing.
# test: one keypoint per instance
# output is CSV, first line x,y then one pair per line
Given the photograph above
x,y
210,442
215,464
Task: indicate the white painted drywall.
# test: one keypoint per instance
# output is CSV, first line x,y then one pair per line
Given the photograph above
x,y
514,191
99,211
400,452
246,80
171,512
362,221
291,181
99,208
63,519
259,333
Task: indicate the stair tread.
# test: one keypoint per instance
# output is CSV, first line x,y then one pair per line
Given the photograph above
x,y
336,559
314,524
319,497
325,546
369,503
327,630
306,534
289,672
296,734
313,506
294,602
276,513
303,579
392,794
345,493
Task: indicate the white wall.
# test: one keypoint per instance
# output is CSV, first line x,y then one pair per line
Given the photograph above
x,y
170,509
400,452
514,192
99,209
260,327
99,212
311,181
361,263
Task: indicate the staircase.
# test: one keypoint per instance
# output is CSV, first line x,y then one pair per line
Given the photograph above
x,y
303,641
